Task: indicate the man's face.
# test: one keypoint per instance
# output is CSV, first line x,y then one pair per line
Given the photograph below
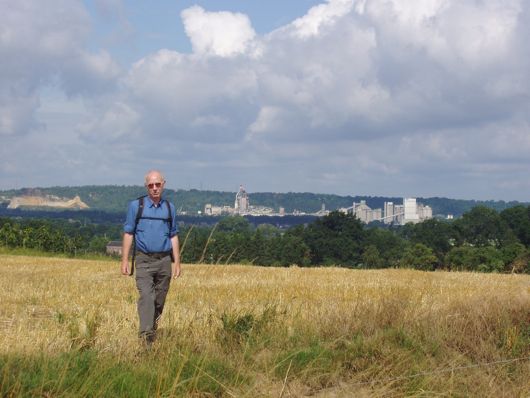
x,y
155,185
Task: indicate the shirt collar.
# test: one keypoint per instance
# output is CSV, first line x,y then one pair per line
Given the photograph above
x,y
150,203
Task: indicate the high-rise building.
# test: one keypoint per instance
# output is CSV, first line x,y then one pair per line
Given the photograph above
x,y
399,214
242,203
411,210
388,212
424,212
364,213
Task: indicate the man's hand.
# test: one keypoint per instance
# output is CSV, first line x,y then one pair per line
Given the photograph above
x,y
126,247
125,267
175,270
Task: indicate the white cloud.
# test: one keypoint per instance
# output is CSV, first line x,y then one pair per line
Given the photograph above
x,y
268,120
391,87
16,113
43,44
321,16
476,33
378,97
119,124
223,34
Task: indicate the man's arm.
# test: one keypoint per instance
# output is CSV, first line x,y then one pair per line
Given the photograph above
x,y
125,249
175,267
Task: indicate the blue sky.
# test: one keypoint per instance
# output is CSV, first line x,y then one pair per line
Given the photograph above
x,y
135,28
361,97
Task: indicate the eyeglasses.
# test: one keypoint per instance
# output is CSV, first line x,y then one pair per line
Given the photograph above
x,y
152,185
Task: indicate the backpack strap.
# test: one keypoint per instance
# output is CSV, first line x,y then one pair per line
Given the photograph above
x,y
170,219
139,213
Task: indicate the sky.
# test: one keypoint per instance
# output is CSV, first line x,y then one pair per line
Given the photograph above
x,y
412,98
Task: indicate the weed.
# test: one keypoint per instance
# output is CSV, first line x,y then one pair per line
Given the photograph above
x,y
83,331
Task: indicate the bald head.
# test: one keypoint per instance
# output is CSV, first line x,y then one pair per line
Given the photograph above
x,y
154,173
154,182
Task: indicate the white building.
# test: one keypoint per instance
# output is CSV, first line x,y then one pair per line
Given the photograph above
x,y
365,213
210,210
399,214
424,212
414,212
388,212
411,211
242,203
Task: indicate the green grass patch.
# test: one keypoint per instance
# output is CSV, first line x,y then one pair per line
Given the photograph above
x,y
89,374
313,364
248,329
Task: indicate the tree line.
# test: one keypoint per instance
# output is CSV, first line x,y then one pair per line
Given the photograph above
x,y
71,237
481,240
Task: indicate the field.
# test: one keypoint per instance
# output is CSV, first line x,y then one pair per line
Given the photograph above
x,y
68,328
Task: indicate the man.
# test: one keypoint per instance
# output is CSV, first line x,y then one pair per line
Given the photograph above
x,y
157,252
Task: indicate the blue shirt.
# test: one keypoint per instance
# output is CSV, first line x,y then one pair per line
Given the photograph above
x,y
152,236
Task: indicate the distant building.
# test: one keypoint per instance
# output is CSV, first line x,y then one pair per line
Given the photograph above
x,y
242,203
322,211
388,212
114,248
411,211
415,212
399,214
210,210
424,212
364,213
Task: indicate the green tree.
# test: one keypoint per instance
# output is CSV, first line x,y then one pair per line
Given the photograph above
x,y
371,257
419,256
482,226
433,233
390,245
98,244
234,224
513,256
335,239
193,241
518,219
291,250
9,235
260,247
468,258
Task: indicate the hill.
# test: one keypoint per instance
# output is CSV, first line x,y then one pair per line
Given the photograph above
x,y
114,198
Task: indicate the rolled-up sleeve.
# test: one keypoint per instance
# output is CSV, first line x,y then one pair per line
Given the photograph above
x,y
128,226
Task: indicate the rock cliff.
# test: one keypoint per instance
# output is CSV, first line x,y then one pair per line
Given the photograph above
x,y
47,201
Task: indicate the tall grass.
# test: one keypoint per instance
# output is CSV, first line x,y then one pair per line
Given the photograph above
x,y
68,328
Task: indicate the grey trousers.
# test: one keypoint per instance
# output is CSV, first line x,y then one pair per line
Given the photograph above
x,y
153,276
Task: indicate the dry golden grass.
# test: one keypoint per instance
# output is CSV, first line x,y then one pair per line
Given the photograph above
x,y
376,333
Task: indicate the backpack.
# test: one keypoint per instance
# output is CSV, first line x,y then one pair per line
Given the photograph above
x,y
139,216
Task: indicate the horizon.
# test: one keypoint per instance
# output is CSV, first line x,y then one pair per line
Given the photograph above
x,y
267,192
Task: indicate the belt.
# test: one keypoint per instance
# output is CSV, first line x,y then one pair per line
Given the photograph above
x,y
157,255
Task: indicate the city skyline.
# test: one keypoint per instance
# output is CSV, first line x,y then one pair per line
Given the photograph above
x,y
386,98
410,211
